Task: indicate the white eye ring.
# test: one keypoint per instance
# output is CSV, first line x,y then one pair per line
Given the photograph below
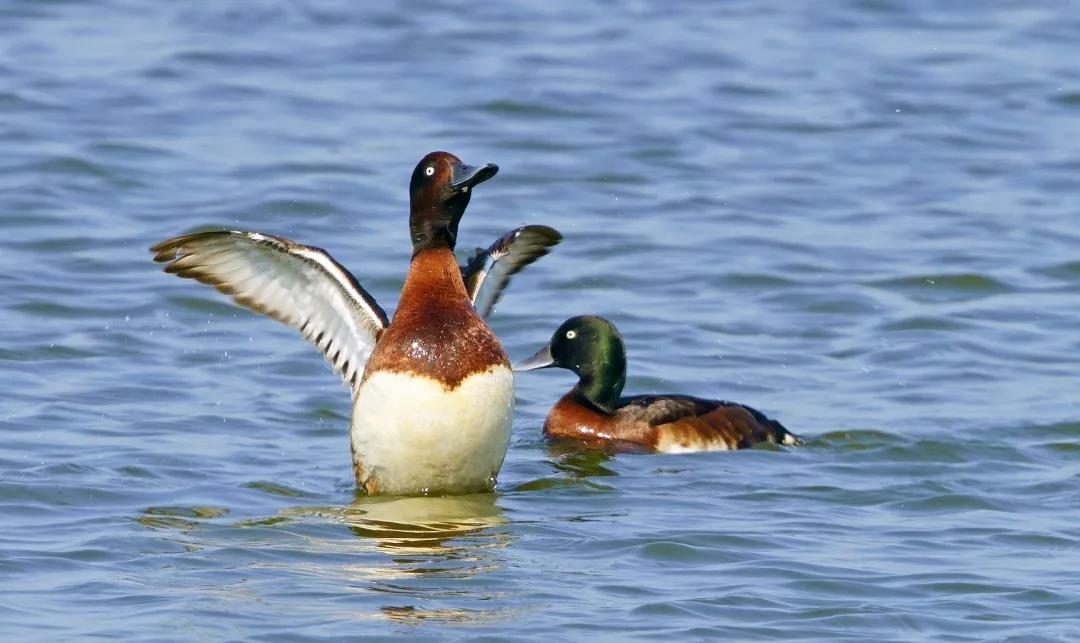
x,y
430,170
571,334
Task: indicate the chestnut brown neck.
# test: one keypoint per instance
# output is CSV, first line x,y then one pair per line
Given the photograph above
x,y
434,277
436,332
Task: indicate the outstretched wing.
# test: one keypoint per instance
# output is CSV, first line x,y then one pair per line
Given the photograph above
x,y
488,271
299,285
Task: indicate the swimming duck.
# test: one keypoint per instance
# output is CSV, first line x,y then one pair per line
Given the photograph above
x,y
593,413
433,392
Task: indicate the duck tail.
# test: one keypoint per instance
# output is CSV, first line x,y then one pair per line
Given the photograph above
x,y
783,436
780,432
787,438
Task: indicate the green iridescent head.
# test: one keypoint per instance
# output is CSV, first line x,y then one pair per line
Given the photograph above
x,y
591,347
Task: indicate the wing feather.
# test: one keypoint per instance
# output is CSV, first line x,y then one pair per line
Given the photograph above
x,y
488,272
301,286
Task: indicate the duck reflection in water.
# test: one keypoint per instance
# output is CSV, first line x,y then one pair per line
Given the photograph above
x,y
444,551
424,524
578,461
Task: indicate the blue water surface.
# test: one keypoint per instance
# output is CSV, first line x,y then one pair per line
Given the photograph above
x,y
862,217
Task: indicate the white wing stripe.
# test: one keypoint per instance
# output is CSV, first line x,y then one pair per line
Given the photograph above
x,y
299,285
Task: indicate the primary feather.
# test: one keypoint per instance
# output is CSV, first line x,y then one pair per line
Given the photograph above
x,y
487,272
299,285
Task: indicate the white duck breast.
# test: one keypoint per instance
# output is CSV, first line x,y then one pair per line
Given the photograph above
x,y
450,441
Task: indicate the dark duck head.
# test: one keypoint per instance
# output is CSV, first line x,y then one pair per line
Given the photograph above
x,y
592,348
439,192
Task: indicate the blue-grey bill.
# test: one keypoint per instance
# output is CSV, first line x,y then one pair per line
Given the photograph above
x,y
542,359
466,176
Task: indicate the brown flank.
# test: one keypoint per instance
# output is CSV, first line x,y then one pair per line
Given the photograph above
x,y
659,424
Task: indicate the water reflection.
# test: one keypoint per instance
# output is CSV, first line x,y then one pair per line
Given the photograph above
x,y
401,559
444,553
414,616
573,466
579,461
425,525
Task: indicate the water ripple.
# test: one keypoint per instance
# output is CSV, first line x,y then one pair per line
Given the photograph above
x,y
860,218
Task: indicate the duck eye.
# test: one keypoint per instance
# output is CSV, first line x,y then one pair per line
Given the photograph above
x,y
430,170
571,334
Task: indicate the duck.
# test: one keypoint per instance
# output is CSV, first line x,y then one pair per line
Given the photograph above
x,y
432,388
594,414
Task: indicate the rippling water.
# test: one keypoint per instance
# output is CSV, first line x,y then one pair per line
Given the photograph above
x,y
860,217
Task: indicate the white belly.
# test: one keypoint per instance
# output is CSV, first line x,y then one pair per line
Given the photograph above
x,y
410,435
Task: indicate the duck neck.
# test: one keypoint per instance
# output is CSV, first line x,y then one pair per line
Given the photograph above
x,y
434,277
434,224
602,378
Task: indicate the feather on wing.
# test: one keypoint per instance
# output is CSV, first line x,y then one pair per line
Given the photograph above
x,y
487,272
299,285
